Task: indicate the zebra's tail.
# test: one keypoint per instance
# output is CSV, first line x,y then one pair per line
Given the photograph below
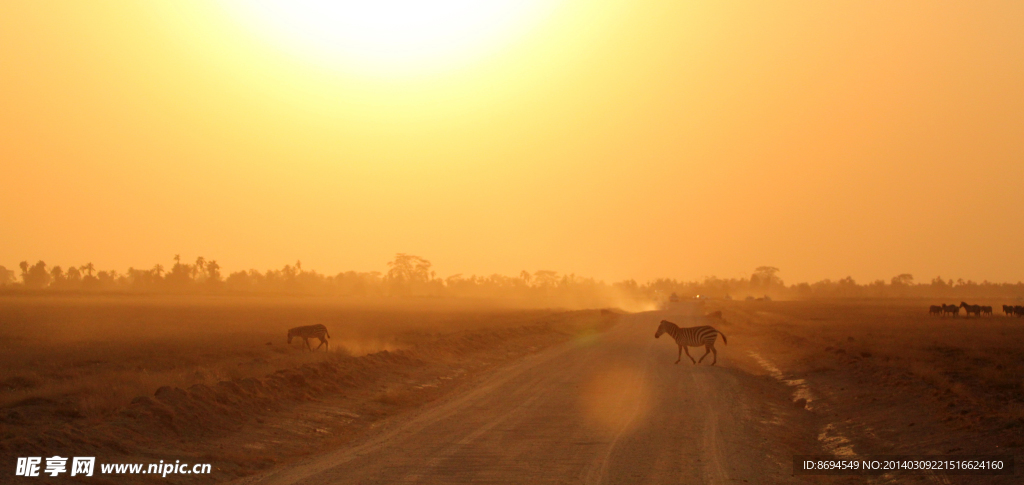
x,y
724,340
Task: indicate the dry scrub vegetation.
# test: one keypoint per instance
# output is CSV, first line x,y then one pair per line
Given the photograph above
x,y
899,379
113,375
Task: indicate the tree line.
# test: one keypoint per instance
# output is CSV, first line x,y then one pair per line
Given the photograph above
x,y
410,275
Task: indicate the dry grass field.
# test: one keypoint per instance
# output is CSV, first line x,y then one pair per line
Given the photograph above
x,y
885,377
147,378
103,352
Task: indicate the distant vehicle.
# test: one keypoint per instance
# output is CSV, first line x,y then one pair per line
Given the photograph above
x,y
701,297
674,298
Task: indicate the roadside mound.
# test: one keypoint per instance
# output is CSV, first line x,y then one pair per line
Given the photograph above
x,y
198,422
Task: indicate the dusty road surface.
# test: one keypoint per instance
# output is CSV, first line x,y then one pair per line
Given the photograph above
x,y
607,408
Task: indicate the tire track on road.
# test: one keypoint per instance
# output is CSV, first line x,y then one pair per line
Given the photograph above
x,y
598,470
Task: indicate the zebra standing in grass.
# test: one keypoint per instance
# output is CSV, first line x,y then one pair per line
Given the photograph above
x,y
308,332
935,310
969,309
692,337
950,309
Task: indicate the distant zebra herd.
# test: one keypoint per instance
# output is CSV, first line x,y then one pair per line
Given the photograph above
x,y
976,310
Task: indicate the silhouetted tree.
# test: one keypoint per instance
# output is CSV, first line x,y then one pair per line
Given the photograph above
x,y
525,276
34,276
545,278
199,268
57,279
409,274
904,279
106,279
180,274
765,277
213,271
406,272
89,282
6,276
74,276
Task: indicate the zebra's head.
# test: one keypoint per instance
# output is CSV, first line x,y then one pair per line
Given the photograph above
x,y
661,329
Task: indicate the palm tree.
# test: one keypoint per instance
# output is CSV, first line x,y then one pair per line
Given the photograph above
x,y
212,271
88,268
200,265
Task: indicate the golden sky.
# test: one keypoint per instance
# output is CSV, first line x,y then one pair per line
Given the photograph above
x,y
635,139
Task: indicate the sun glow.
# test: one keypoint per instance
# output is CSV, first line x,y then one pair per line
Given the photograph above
x,y
391,36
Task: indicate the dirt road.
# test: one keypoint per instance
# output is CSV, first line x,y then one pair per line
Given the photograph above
x,y
604,408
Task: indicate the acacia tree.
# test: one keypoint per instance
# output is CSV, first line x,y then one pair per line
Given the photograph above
x,y
545,278
408,271
905,279
765,277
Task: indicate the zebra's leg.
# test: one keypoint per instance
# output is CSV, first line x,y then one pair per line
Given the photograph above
x,y
714,355
322,342
307,344
688,355
707,350
681,354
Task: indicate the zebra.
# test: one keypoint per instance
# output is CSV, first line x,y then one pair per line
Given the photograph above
x,y
308,332
692,337
935,310
969,309
951,309
1018,310
1008,310
986,310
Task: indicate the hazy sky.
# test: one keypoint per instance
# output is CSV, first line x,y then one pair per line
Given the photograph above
x,y
633,139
